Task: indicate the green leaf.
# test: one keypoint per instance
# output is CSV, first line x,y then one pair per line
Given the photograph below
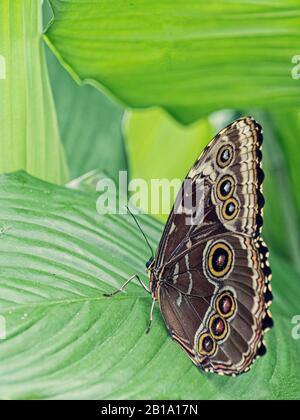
x,y
282,209
161,149
88,182
90,125
191,58
29,132
286,125
64,340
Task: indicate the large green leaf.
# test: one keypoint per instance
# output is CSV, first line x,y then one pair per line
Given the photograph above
x,y
190,57
161,149
286,125
89,122
281,190
29,132
90,125
64,340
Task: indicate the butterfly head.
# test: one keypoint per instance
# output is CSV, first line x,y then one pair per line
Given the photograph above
x,y
149,264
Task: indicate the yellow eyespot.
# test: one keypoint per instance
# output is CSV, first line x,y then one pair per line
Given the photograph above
x,y
220,259
225,187
230,209
206,345
218,327
225,305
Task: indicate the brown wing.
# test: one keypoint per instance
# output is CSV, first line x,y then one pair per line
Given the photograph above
x,y
232,158
219,263
193,296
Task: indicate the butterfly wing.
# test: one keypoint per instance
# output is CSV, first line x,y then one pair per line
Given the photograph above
x,y
214,289
232,159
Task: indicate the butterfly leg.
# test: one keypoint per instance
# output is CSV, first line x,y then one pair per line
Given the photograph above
x,y
125,284
151,316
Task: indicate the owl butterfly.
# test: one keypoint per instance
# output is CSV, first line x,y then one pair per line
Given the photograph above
x,y
211,278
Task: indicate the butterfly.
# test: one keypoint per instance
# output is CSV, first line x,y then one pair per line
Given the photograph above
x,y
211,278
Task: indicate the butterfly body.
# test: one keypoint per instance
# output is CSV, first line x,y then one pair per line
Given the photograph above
x,y
211,276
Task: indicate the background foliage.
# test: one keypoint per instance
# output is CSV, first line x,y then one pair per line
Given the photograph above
x,y
29,131
193,60
66,341
192,57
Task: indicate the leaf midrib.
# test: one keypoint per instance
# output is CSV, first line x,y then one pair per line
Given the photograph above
x,y
70,302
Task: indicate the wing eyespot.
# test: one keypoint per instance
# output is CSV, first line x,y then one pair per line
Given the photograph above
x,y
218,328
220,260
225,188
225,305
206,345
225,156
230,209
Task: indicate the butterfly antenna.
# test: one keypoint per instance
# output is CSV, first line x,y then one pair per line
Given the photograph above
x,y
141,230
